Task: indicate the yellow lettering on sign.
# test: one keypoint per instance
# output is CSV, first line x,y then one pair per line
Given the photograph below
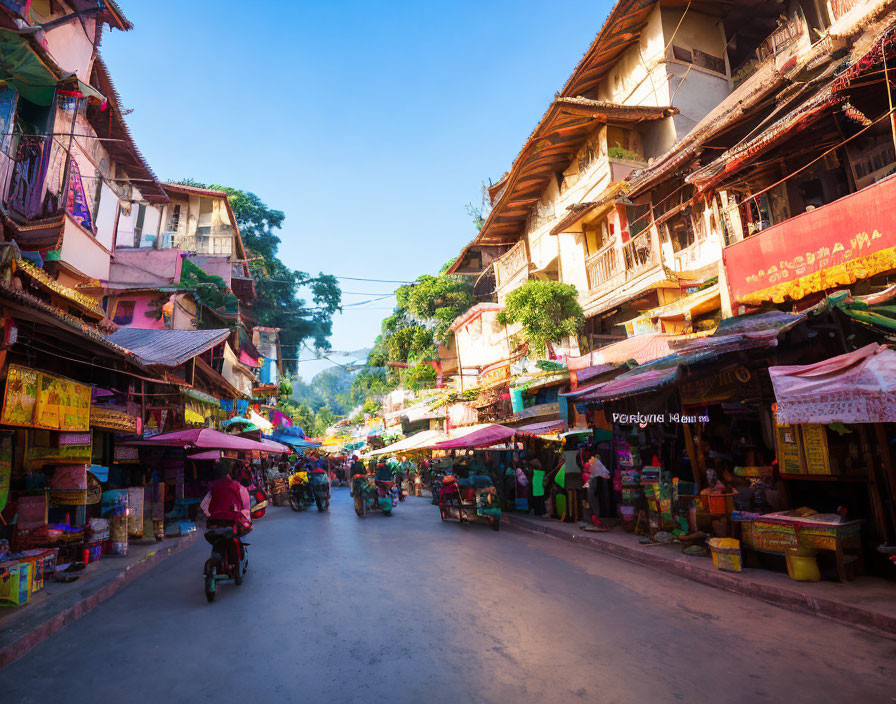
x,y
838,248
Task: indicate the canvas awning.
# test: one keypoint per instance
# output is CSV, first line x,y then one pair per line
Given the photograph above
x,y
641,348
629,384
205,438
543,428
857,387
417,441
485,436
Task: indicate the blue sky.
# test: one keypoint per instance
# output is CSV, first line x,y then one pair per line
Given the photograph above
x,y
371,124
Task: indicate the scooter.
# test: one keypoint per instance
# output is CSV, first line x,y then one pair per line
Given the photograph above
x,y
320,488
230,559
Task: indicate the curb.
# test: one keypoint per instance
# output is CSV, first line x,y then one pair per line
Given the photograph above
x,y
879,623
39,634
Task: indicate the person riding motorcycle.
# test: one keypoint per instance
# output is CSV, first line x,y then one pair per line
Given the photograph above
x,y
300,476
227,503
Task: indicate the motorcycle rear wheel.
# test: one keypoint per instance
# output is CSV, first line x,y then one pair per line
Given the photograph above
x,y
387,513
322,504
495,523
360,507
210,580
293,504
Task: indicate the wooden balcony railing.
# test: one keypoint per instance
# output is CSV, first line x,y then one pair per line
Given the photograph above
x,y
603,266
613,266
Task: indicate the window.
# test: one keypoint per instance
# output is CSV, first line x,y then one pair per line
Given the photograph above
x,y
174,219
681,232
124,313
597,235
138,228
96,197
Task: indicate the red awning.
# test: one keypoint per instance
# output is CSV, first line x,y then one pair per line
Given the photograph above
x,y
858,387
484,437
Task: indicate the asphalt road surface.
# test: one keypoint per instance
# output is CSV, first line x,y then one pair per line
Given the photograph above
x,y
409,609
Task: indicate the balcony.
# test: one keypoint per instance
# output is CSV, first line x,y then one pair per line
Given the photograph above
x,y
833,245
615,265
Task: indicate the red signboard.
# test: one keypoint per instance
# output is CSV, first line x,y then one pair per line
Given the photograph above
x,y
834,245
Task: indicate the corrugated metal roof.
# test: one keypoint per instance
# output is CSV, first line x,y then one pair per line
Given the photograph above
x,y
167,348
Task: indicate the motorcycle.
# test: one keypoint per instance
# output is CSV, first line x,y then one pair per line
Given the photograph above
x,y
320,488
230,558
475,501
373,495
301,495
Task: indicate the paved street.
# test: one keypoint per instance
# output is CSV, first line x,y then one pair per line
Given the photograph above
x,y
408,609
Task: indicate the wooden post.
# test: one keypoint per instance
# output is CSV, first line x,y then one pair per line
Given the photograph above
x,y
696,465
883,448
877,508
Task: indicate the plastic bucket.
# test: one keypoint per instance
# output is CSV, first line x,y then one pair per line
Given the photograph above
x,y
802,567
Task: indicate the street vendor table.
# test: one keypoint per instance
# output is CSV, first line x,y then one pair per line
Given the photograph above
x,y
775,532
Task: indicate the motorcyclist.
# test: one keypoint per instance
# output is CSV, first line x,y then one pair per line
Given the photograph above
x,y
300,476
227,502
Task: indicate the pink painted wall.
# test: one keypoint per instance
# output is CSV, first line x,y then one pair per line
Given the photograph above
x,y
142,305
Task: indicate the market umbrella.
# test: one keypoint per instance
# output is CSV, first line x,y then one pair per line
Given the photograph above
x,y
206,438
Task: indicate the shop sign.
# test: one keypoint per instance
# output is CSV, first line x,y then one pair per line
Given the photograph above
x,y
850,239
39,400
732,383
114,420
495,376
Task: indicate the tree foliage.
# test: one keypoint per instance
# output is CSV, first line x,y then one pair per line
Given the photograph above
x,y
410,336
278,303
549,311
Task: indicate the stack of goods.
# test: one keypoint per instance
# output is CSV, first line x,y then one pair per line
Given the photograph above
x,y
630,498
115,510
279,491
23,573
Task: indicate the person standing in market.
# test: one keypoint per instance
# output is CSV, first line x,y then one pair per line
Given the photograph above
x,y
537,476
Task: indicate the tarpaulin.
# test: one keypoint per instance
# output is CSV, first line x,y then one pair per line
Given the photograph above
x,y
490,434
424,438
857,387
641,348
629,384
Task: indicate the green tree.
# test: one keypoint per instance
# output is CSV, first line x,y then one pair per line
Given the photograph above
x,y
278,303
410,336
549,311
323,419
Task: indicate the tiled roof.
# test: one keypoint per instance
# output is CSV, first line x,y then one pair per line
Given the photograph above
x,y
167,348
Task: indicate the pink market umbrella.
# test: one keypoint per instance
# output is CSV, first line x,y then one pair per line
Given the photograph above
x,y
207,439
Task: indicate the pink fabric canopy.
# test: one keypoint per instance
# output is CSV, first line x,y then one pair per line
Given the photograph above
x,y
209,439
857,387
484,437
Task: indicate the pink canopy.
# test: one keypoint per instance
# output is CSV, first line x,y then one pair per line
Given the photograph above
x,y
484,437
857,387
209,439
